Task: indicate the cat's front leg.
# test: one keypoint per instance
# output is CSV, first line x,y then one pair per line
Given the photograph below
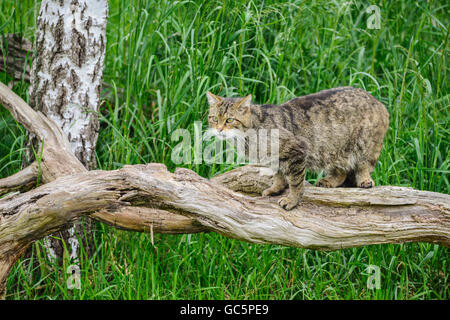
x,y
295,177
293,168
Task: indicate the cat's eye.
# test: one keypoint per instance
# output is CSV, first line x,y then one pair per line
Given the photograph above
x,y
230,120
214,119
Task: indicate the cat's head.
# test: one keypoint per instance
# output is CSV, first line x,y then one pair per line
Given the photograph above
x,y
229,116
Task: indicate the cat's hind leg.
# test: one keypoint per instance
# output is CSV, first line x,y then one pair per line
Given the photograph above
x,y
278,185
333,180
367,162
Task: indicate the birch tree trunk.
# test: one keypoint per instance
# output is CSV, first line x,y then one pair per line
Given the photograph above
x,y
65,84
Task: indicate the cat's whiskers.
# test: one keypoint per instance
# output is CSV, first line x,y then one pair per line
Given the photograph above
x,y
211,132
224,134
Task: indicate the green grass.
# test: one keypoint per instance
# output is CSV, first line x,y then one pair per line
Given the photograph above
x,y
162,57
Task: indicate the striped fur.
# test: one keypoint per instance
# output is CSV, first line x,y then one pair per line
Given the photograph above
x,y
339,130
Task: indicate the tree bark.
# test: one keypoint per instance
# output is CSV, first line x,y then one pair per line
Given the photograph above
x,y
138,196
15,54
65,85
151,199
68,68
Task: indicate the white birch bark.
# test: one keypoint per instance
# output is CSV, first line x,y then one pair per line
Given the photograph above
x,y
66,79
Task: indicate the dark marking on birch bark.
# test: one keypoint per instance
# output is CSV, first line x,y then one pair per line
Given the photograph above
x,y
74,5
58,34
61,100
79,48
74,80
40,95
58,73
82,12
86,101
88,24
102,44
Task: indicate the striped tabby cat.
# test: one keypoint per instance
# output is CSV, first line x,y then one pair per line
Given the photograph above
x,y
339,130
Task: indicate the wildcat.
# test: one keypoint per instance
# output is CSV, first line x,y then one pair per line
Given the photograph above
x,y
339,130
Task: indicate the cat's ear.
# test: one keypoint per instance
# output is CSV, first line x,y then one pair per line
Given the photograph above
x,y
243,106
213,99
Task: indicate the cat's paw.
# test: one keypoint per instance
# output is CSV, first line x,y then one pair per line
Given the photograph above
x,y
270,191
287,203
366,184
324,183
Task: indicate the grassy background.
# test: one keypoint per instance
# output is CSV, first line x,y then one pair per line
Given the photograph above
x,y
162,57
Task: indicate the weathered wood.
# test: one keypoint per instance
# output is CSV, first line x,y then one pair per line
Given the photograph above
x,y
21,181
136,197
151,199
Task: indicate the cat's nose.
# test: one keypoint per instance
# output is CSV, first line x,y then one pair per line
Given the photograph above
x,y
220,129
